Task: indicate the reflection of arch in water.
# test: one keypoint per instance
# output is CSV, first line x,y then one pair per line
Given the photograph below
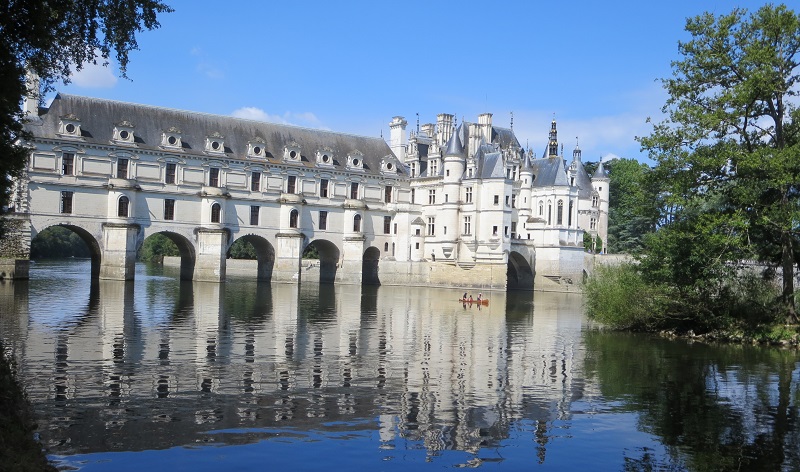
x,y
369,266
265,253
328,259
186,250
91,243
519,273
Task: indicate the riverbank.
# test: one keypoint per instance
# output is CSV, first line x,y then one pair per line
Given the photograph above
x,y
19,451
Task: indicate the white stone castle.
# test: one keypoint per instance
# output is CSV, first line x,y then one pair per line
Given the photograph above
x,y
461,205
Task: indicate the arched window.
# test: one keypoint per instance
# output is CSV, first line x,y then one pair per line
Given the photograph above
x,y
549,213
215,212
560,213
385,247
357,224
569,215
122,207
293,219
541,208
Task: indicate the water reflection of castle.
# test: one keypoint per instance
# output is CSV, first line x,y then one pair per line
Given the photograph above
x,y
288,355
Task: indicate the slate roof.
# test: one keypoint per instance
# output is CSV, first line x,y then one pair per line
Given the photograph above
x,y
549,172
583,181
99,116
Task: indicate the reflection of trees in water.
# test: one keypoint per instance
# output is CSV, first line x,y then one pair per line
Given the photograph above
x,y
714,407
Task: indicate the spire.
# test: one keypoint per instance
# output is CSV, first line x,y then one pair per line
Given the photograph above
x,y
576,154
600,173
454,146
553,144
561,175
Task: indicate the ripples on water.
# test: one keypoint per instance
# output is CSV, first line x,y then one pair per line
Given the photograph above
x,y
161,373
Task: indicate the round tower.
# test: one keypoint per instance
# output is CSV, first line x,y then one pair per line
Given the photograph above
x,y
600,184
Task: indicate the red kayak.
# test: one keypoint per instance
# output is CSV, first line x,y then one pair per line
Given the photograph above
x,y
484,301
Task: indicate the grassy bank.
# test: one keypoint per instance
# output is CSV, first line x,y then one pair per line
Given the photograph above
x,y
18,449
742,308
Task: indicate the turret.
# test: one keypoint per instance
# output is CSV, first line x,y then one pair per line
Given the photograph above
x,y
600,183
552,146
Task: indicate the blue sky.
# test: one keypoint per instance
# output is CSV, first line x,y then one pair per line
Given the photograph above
x,y
350,66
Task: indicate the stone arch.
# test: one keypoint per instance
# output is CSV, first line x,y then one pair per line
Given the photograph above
x,y
329,255
519,274
95,253
185,248
265,255
369,266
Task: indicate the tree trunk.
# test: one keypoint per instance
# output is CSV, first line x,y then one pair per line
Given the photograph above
x,y
787,261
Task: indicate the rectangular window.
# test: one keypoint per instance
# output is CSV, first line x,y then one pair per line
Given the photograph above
x,y
431,197
413,169
354,190
387,224
68,163
417,246
323,220
323,188
254,215
513,201
416,232
513,229
66,202
291,184
255,181
468,197
122,168
413,194
507,199
395,228
494,230
434,169
169,176
169,209
467,225
387,194
497,199
431,225
213,177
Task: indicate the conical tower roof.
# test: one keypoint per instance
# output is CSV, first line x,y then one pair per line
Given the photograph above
x,y
454,146
600,172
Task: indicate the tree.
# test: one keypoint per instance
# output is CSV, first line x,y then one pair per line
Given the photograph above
x,y
633,204
732,135
52,39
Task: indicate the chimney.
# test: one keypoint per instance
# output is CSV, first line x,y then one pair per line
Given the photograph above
x,y
30,103
397,137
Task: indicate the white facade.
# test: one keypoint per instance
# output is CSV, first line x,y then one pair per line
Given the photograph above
x,y
450,205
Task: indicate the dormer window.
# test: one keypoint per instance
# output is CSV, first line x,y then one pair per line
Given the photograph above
x,y
291,152
171,138
123,133
256,148
215,143
355,160
70,125
325,157
388,166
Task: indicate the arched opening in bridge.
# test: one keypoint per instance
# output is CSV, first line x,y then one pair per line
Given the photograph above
x,y
320,256
253,248
157,246
67,241
519,274
369,266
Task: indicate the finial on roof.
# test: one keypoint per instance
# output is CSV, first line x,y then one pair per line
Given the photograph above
x,y
512,120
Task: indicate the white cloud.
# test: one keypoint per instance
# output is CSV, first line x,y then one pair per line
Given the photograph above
x,y
94,76
205,66
306,119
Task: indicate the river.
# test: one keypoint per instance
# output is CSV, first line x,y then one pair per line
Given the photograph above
x,y
161,374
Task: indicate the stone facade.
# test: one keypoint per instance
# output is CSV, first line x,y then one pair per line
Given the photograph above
x,y
450,205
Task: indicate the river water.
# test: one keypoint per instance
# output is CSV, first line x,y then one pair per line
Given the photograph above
x,y
160,374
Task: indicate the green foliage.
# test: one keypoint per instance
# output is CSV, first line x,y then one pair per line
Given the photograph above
x,y
242,249
592,246
621,298
311,252
157,246
728,155
57,242
633,205
53,39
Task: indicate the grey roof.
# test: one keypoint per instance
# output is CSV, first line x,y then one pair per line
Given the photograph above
x,y
600,172
549,172
98,118
491,162
582,180
454,146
